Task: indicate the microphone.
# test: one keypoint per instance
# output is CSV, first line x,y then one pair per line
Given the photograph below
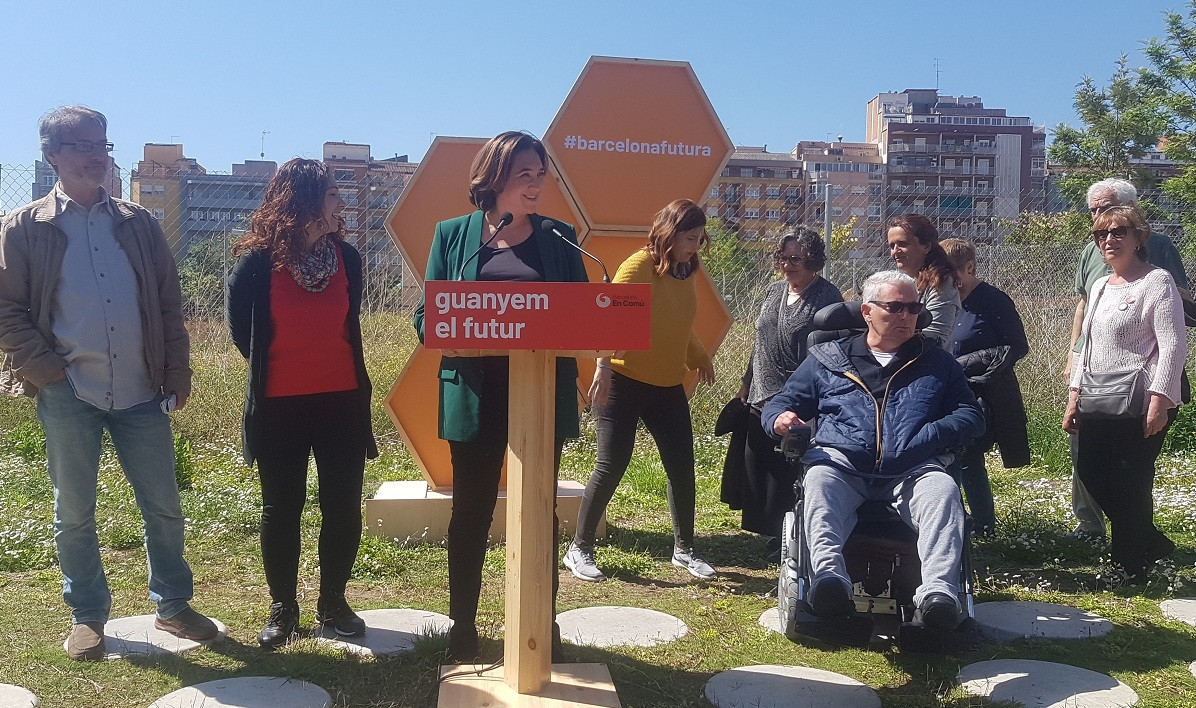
x,y
550,225
503,221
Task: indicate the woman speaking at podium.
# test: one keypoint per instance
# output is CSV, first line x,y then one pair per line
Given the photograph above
x,y
646,385
504,239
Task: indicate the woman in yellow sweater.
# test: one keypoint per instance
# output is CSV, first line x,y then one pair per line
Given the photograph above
x,y
646,385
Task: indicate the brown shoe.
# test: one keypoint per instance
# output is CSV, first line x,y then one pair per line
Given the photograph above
x,y
86,642
188,624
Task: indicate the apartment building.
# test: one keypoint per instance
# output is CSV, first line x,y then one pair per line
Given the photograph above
x,y
154,185
219,205
855,175
369,187
758,194
967,167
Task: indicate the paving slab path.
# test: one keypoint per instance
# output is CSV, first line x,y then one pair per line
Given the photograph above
x,y
1044,684
1007,621
607,626
389,631
248,692
775,686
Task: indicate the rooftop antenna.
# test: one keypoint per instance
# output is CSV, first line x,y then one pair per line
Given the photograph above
x,y
938,66
264,134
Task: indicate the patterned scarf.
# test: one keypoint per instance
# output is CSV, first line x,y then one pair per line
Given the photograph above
x,y
315,269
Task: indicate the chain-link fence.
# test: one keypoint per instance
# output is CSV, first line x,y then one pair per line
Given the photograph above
x,y
1028,253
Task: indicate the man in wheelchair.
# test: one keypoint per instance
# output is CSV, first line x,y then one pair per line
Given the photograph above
x,y
889,407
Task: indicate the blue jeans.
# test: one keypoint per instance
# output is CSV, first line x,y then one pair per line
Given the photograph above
x,y
145,447
969,470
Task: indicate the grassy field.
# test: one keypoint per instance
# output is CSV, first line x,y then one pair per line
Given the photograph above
x,y
1031,558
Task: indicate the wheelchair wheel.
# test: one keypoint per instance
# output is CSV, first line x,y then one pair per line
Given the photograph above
x,y
789,580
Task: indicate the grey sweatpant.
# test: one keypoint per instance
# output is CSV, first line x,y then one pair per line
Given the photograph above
x,y
927,501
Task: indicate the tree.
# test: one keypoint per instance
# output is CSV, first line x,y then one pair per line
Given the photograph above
x,y
735,270
1032,227
843,239
1173,78
1122,121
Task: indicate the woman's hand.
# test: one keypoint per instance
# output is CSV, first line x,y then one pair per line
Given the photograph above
x,y
1156,415
1071,425
706,373
742,394
786,419
600,388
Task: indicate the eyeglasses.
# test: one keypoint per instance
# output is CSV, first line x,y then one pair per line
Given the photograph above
x,y
896,306
86,147
1114,234
791,260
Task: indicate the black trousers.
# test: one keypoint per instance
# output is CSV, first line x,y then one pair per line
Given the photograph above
x,y
1116,465
665,412
294,427
477,468
769,493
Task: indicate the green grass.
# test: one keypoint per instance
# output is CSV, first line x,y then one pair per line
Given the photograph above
x,y
1030,559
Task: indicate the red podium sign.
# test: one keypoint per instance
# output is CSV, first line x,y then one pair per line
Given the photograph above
x,y
521,316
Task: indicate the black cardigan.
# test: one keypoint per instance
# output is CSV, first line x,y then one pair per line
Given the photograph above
x,y
252,331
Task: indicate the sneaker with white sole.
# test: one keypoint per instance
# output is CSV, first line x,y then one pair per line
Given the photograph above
x,y
580,561
697,566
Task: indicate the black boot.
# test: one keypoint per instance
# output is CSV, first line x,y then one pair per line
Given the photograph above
x,y
558,648
463,643
284,619
332,610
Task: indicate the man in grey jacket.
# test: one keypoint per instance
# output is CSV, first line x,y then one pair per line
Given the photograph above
x,y
91,325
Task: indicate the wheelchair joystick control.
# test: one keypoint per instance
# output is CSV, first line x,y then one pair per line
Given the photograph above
x,y
795,443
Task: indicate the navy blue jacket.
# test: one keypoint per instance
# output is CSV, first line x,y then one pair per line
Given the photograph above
x,y
928,410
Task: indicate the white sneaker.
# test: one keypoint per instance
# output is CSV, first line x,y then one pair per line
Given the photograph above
x,y
689,559
580,561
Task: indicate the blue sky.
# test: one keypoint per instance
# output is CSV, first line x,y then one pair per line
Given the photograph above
x,y
214,75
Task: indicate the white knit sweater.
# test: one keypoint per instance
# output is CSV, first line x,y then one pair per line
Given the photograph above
x,y
1137,325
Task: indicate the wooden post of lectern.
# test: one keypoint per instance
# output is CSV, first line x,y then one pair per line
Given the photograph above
x,y
531,491
552,320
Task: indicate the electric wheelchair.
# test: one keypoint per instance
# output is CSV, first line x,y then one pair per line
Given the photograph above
x,y
881,553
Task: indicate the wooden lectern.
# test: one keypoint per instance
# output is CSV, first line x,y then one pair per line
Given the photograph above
x,y
533,323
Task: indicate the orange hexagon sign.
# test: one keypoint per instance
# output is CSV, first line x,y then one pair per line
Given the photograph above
x,y
632,136
712,322
439,190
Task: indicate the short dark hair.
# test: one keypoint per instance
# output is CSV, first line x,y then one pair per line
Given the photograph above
x,y
808,240
491,167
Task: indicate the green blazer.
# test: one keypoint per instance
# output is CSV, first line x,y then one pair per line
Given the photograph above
x,y
461,380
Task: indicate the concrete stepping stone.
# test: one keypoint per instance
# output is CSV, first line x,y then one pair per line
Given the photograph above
x,y
16,697
1044,684
768,686
1181,608
389,631
248,692
771,620
136,636
1007,621
1192,668
619,626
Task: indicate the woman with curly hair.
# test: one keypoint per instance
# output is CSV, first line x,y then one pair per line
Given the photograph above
x,y
914,245
294,302
785,321
646,385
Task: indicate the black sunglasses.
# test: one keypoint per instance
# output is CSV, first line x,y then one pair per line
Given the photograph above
x,y
896,306
1116,233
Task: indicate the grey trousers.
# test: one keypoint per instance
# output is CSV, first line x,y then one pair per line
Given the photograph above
x,y
1087,511
928,502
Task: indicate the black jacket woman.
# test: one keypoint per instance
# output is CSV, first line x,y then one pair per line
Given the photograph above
x,y
294,301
